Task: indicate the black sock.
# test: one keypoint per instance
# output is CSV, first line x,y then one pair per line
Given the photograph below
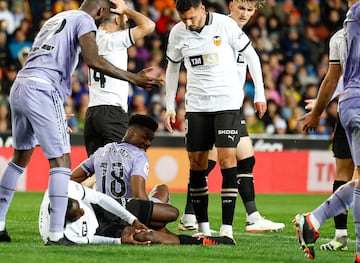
x,y
341,219
189,208
211,166
199,195
245,181
228,195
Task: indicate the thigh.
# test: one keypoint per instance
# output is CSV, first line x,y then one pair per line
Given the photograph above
x,y
200,131
340,145
44,116
227,126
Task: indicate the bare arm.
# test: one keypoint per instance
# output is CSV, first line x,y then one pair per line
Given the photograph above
x,y
327,89
144,25
78,174
137,184
92,59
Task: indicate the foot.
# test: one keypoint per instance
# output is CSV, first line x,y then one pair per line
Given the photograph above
x,y
61,242
224,240
188,223
264,225
337,244
226,232
357,259
306,233
4,236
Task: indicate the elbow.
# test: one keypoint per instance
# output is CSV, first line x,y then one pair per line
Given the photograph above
x,y
150,27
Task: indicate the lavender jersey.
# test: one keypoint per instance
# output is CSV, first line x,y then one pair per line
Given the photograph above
x,y
114,164
55,52
352,55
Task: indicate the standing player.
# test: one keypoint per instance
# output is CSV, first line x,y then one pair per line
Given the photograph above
x,y
37,99
83,226
207,42
349,103
241,11
122,169
332,86
106,117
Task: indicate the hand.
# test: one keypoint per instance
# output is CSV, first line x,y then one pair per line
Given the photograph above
x,y
311,121
145,81
120,6
169,121
138,225
127,236
310,103
260,108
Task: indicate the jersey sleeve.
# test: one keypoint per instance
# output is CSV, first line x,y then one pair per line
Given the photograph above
x,y
88,166
140,166
173,53
86,25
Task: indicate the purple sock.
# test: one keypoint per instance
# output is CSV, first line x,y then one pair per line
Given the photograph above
x,y
58,194
8,186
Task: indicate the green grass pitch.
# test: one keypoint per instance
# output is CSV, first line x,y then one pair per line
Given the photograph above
x,y
27,247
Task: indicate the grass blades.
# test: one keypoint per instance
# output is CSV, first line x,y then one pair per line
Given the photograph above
x,y
27,246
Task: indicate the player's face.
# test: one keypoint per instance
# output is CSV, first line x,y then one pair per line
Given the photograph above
x,y
142,137
242,11
194,19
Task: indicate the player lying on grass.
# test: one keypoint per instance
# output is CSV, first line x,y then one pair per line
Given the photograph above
x,y
122,169
120,227
307,225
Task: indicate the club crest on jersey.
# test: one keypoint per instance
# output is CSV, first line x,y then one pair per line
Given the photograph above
x,y
217,41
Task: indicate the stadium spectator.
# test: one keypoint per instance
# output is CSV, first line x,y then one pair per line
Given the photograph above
x,y
8,16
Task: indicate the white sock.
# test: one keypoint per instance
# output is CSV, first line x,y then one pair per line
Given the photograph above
x,y
341,233
253,217
188,218
314,221
55,236
226,228
204,227
2,225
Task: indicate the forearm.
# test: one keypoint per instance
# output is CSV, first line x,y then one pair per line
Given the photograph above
x,y
254,65
105,240
108,204
144,25
327,89
172,79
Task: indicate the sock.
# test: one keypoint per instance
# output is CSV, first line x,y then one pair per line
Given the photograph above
x,y
189,208
245,181
356,215
341,219
199,195
337,203
228,195
58,195
211,166
204,227
8,183
189,240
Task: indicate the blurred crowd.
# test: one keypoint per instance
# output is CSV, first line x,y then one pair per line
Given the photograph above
x,y
291,38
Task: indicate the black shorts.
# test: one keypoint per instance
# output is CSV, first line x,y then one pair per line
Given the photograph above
x,y
243,130
340,146
142,209
204,129
110,225
104,124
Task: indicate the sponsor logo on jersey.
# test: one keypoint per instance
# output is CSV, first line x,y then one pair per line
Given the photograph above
x,y
228,132
217,40
205,59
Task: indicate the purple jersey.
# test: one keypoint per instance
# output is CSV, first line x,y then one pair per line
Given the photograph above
x,y
352,40
55,52
114,164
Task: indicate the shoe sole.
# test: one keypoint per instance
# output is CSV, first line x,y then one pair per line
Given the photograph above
x,y
264,230
298,223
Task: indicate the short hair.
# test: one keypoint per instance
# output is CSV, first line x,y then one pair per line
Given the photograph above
x,y
139,120
185,5
258,3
